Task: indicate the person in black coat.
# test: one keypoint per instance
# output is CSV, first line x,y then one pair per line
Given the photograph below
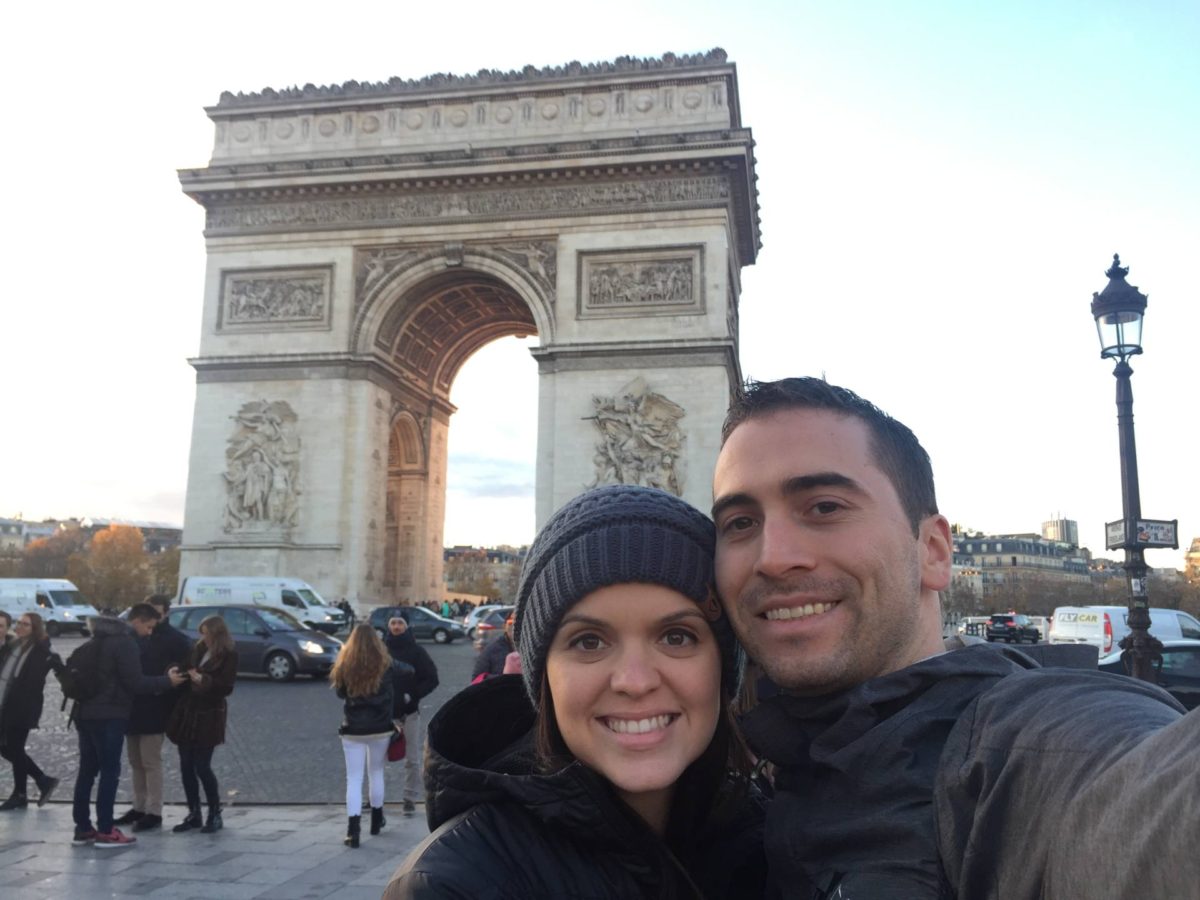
x,y
491,658
164,648
404,648
610,768
371,685
24,663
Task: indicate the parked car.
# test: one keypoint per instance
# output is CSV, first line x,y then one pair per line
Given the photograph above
x,y
491,624
471,619
269,641
1012,628
1105,626
423,624
1179,673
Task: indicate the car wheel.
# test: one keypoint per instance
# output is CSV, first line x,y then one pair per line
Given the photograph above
x,y
440,636
470,634
52,629
280,667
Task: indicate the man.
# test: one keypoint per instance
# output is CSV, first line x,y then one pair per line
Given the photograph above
x,y
102,719
905,768
495,653
403,647
161,650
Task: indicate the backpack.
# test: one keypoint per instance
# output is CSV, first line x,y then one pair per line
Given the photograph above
x,y
80,677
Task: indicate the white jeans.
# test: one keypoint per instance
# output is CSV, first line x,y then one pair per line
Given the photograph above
x,y
364,751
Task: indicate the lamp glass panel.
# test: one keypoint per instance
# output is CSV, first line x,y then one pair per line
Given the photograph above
x,y
1120,333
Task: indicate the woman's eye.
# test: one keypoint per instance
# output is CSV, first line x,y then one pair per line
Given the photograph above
x,y
586,642
678,637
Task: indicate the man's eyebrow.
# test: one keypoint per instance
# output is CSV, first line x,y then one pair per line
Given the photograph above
x,y
797,485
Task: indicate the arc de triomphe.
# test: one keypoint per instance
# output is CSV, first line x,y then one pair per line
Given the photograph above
x,y
365,239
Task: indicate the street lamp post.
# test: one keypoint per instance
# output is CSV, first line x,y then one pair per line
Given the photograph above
x,y
1118,311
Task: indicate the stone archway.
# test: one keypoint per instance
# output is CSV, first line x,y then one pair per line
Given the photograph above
x,y
364,240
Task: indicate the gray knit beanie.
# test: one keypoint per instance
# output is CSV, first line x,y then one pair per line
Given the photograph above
x,y
617,534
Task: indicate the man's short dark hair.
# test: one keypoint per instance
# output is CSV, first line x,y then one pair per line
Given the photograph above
x,y
144,612
7,618
161,602
895,448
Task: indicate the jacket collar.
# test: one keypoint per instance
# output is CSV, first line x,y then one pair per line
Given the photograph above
x,y
108,626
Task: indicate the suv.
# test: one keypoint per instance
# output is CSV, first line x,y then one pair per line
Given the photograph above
x,y
423,624
268,640
1012,628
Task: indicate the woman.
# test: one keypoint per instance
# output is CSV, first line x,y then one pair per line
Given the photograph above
x,y
197,723
23,667
365,676
624,778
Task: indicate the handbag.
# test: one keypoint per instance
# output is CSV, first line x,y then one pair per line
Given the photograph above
x,y
397,748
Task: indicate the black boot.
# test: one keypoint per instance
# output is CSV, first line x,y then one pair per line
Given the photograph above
x,y
214,823
15,801
377,819
352,831
193,820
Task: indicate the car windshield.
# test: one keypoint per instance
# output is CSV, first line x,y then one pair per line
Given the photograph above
x,y
278,620
310,598
66,598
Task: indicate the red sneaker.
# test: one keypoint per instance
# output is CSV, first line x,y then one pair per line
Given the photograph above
x,y
113,838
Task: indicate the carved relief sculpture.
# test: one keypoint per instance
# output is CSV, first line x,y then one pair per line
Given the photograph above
x,y
262,466
257,300
662,281
640,441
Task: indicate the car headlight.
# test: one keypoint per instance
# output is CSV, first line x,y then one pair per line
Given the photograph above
x,y
311,647
68,615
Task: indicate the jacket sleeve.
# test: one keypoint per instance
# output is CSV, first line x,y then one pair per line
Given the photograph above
x,y
1070,785
129,671
219,680
427,675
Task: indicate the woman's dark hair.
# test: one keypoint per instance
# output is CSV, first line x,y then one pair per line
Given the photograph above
x,y
219,639
37,628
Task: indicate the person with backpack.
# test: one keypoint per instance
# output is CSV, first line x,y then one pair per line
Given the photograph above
x,y
102,677
23,668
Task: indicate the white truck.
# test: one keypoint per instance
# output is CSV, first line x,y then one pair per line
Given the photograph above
x,y
56,600
1104,626
289,594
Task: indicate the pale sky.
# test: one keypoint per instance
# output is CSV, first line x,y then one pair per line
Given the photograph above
x,y
942,188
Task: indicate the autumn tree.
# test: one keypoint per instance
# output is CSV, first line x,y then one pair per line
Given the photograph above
x,y
47,557
164,572
118,568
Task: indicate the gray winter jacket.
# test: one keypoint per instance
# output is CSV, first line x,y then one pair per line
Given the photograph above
x,y
120,672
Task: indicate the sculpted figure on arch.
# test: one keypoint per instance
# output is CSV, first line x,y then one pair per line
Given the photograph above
x,y
909,767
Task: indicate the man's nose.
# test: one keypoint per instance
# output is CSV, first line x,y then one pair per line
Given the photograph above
x,y
784,547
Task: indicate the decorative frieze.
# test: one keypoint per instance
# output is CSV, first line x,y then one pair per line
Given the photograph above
x,y
662,281
262,469
338,210
640,441
275,299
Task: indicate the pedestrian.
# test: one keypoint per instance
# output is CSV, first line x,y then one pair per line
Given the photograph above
x,y
908,767
445,609
7,638
364,676
23,667
109,661
624,776
404,647
197,722
163,649
491,659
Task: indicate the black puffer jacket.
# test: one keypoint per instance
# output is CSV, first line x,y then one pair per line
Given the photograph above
x,y
504,831
120,672
160,650
405,648
950,778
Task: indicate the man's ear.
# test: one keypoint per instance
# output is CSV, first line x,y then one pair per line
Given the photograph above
x,y
937,552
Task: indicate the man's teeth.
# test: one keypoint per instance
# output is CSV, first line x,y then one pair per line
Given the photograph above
x,y
799,612
638,726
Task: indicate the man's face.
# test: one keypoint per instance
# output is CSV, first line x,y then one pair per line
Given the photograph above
x,y
3,628
142,627
816,561
397,625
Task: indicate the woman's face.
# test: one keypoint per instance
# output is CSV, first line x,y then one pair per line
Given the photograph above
x,y
635,675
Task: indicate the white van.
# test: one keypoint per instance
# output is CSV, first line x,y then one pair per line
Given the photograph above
x,y
56,600
1105,626
289,594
